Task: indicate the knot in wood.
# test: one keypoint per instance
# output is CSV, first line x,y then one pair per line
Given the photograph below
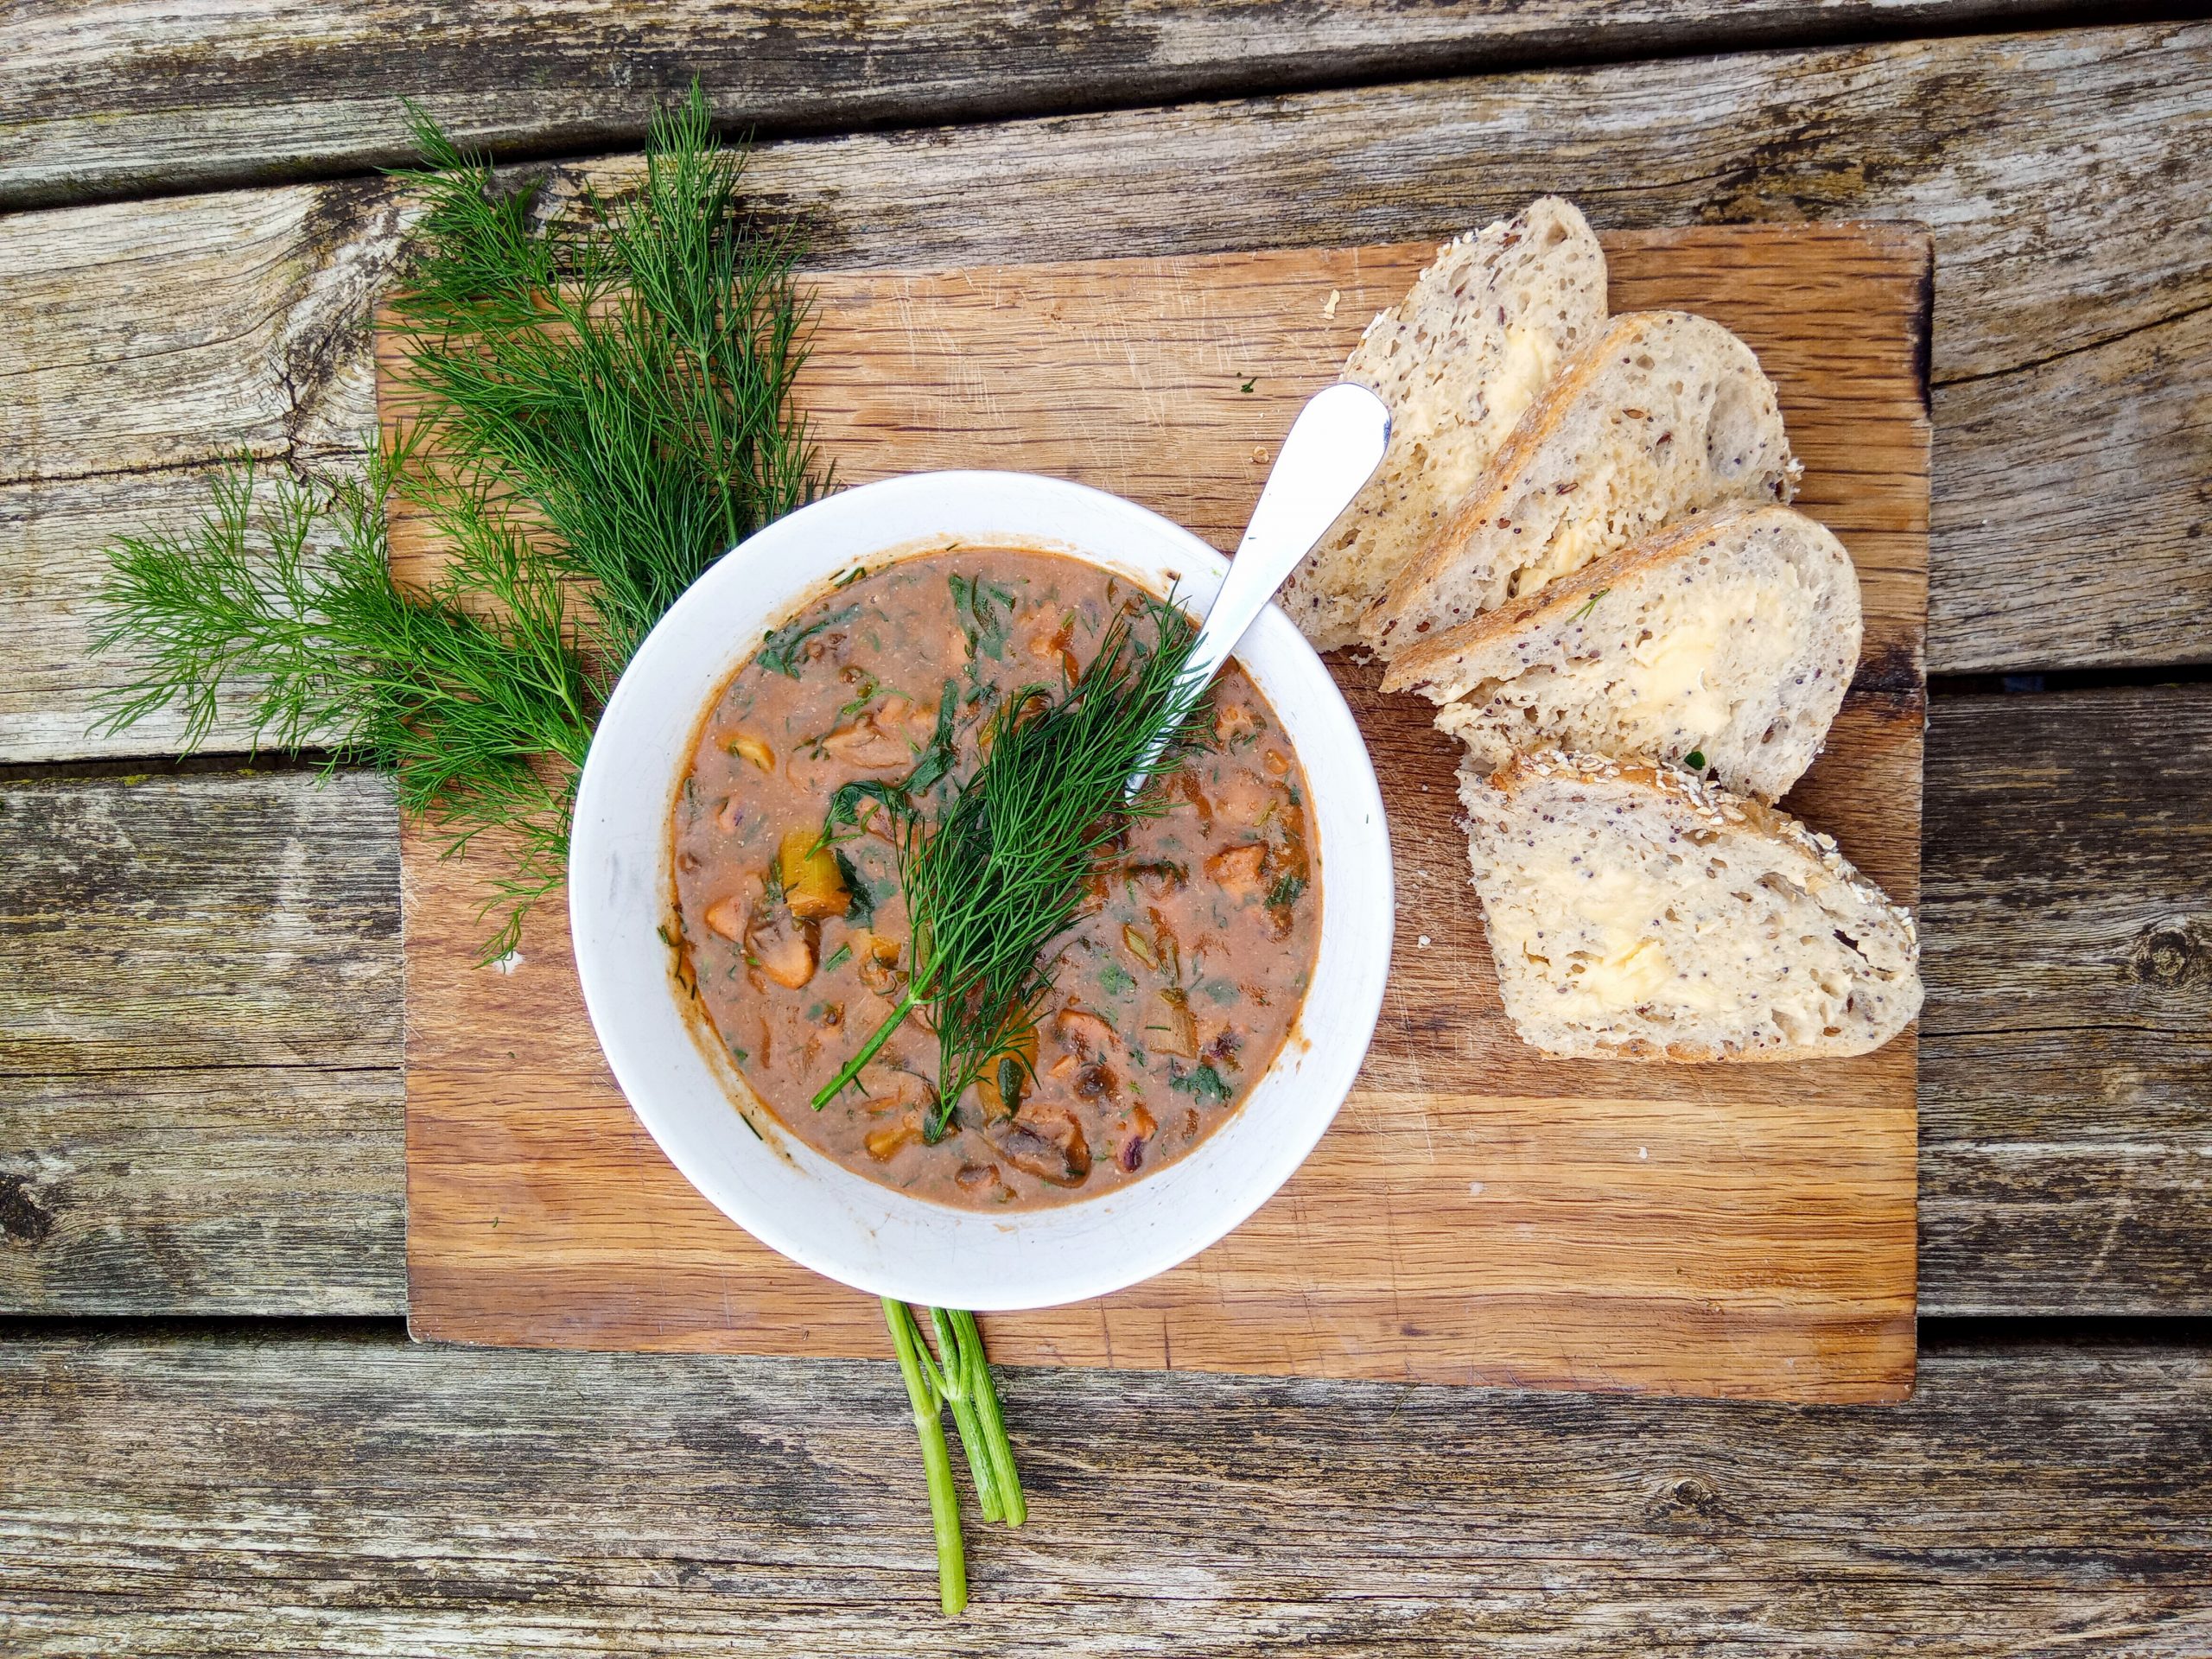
x,y
2171,954
1691,1495
21,1216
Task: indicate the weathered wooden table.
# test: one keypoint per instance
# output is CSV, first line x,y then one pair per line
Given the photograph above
x,y
214,1434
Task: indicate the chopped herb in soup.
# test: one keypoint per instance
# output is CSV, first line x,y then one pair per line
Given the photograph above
x,y
1166,996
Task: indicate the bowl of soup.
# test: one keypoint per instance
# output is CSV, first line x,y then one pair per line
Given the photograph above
x,y
743,940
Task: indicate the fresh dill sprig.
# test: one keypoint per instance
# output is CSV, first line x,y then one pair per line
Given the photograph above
x,y
626,382
602,408
285,595
995,876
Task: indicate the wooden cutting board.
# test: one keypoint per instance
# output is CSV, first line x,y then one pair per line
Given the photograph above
x,y
1477,1213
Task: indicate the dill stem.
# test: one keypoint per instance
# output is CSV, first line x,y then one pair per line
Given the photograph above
x,y
957,1372
1005,1477
936,1461
852,1068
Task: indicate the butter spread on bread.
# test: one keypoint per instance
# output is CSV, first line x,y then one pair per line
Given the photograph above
x,y
1458,361
1730,637
1659,415
1636,912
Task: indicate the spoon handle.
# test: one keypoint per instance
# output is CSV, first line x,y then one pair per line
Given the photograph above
x,y
1333,448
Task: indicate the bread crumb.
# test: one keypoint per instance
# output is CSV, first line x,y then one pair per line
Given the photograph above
x,y
509,963
1424,940
1330,309
1474,1189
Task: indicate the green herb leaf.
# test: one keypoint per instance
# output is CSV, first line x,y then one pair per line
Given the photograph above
x,y
1286,892
781,648
1204,1085
1116,980
859,910
1694,760
838,958
986,613
941,755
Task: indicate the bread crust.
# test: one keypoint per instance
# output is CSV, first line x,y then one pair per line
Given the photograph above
x,y
1458,360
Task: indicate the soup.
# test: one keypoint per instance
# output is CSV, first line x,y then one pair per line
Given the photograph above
x,y
1171,993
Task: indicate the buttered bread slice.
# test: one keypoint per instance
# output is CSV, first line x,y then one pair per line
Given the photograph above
x,y
1636,912
1660,415
1725,642
1459,360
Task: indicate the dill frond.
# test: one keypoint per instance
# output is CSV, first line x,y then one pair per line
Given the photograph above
x,y
991,879
604,409
629,383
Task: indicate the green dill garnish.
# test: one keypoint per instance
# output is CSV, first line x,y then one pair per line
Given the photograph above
x,y
1001,868
838,958
1202,1083
1694,760
851,576
1589,605
1286,892
1221,990
1116,980
1249,385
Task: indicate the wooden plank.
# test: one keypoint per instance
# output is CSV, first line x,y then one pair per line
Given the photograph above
x,y
1478,1214
260,1190
200,1099
2057,1069
2063,177
346,1494
248,91
2067,1057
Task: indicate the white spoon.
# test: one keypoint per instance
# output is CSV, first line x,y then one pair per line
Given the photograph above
x,y
1333,447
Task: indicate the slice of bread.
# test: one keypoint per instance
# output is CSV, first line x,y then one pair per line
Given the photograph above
x,y
1731,636
1458,361
1660,415
1638,914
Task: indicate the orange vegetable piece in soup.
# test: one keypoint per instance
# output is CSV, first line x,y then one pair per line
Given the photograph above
x,y
1172,991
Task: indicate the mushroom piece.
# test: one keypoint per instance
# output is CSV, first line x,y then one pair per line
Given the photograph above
x,y
746,747
876,963
1174,1029
1239,870
1046,1141
782,947
1232,720
884,738
1083,1031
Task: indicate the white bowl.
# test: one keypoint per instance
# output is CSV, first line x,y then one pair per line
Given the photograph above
x,y
785,1193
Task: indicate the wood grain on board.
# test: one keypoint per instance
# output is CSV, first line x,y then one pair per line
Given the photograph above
x,y
1477,1213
